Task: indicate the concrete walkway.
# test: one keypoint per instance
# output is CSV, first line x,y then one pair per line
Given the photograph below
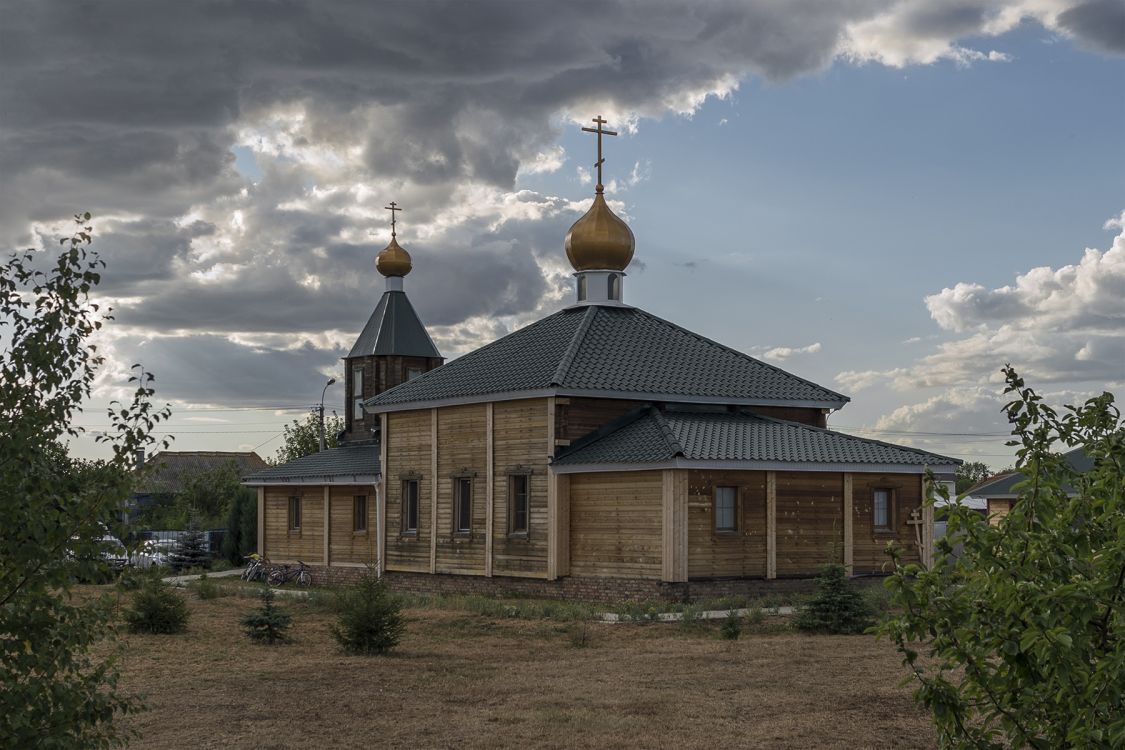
x,y
714,614
185,580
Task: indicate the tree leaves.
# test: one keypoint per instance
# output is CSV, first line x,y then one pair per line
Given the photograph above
x,y
1024,633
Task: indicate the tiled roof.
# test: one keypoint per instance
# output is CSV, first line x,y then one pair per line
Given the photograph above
x,y
340,463
607,349
167,471
1004,484
648,435
394,328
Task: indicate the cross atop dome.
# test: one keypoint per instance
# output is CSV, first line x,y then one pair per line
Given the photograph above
x,y
393,262
599,245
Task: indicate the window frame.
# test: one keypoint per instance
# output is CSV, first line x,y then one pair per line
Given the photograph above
x,y
408,501
889,528
514,531
357,516
462,526
294,514
736,510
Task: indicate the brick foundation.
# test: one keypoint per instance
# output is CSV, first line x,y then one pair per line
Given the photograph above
x,y
608,590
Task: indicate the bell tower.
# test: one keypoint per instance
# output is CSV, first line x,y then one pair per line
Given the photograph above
x,y
392,348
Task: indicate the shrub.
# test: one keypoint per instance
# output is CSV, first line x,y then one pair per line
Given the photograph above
x,y
578,633
731,628
369,620
838,608
205,588
190,550
157,609
268,624
1024,633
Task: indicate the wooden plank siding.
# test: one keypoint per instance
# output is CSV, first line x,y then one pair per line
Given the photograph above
x,y
345,544
519,434
810,521
576,417
868,553
616,524
726,554
408,450
307,544
461,453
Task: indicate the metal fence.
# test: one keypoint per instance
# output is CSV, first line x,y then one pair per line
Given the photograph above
x,y
164,540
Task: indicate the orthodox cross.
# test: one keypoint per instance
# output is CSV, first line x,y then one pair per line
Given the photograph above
x,y
392,208
600,131
917,521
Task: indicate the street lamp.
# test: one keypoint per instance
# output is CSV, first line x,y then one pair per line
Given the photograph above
x,y
330,382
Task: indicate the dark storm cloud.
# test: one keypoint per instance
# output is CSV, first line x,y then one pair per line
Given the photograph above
x,y
196,369
130,109
1100,24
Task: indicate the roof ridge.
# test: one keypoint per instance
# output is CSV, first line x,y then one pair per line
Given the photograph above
x,y
732,350
575,343
813,428
666,432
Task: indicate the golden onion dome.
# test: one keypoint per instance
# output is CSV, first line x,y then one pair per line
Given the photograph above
x,y
393,260
600,240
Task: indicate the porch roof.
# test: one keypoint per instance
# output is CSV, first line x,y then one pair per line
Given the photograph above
x,y
347,464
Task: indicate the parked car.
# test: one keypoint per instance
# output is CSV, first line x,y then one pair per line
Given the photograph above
x,y
153,553
112,551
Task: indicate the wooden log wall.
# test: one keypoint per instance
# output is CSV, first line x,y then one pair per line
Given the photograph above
x,y
307,544
345,544
720,555
616,524
519,433
576,417
461,452
814,417
408,442
810,521
869,545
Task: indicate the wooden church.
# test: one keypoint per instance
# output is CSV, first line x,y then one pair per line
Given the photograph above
x,y
599,453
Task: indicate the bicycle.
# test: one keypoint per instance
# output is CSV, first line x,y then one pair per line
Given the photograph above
x,y
280,576
257,569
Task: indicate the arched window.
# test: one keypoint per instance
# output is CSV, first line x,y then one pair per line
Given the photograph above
x,y
582,288
614,282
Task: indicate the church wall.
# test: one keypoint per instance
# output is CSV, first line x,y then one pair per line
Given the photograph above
x,y
409,451
305,544
380,372
346,545
616,524
462,452
810,521
714,554
576,417
869,545
814,417
520,445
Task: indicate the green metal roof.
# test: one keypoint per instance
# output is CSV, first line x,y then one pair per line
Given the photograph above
x,y
651,436
609,351
343,464
394,328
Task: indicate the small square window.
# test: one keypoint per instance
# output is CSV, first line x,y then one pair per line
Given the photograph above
x,y
410,506
882,510
359,513
462,505
726,509
518,503
294,514
413,372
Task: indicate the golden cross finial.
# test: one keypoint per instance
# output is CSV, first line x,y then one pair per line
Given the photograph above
x,y
392,208
600,131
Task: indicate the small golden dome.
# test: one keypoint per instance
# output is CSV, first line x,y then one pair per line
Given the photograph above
x,y
393,260
600,240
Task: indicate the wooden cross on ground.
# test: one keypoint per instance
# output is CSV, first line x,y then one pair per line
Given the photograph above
x,y
917,522
392,208
600,131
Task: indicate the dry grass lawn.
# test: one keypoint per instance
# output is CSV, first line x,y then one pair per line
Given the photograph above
x,y
463,680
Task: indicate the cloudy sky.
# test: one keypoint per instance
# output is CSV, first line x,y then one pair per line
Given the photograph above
x,y
889,198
